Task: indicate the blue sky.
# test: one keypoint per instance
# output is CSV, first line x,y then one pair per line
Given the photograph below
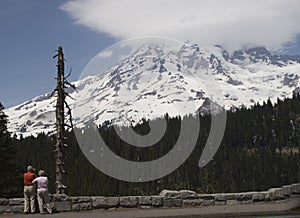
x,y
31,30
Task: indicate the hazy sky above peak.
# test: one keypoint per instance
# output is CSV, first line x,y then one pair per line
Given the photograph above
x,y
232,23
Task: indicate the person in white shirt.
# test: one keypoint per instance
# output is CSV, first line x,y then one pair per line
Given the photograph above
x,y
42,192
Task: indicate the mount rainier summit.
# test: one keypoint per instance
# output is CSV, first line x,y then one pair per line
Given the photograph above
x,y
153,81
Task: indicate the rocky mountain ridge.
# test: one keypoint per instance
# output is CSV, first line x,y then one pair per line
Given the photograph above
x,y
153,81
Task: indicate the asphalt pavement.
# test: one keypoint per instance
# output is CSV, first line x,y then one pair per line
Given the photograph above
x,y
268,210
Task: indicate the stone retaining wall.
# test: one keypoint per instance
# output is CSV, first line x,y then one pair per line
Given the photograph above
x,y
166,198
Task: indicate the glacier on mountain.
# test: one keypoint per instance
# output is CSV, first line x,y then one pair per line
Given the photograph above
x,y
153,81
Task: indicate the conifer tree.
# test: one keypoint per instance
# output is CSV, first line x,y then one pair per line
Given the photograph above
x,y
8,167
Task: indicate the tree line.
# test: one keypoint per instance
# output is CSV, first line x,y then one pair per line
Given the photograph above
x,y
259,150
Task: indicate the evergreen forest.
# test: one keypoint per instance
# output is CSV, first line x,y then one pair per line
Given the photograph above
x,y
260,149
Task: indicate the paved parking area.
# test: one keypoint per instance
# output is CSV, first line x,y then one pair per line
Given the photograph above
x,y
269,210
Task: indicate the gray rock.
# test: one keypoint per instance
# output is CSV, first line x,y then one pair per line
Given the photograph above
x,y
145,200
290,80
287,190
16,201
63,205
244,196
16,208
296,91
187,194
192,202
157,201
290,189
60,197
276,193
220,197
220,202
81,200
207,196
172,202
105,202
170,194
4,209
82,206
230,196
166,198
129,201
260,196
296,188
208,202
234,82
3,201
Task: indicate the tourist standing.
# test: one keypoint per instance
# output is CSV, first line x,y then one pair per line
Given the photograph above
x,y
29,190
42,192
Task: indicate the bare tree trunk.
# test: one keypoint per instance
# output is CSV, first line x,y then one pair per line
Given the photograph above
x,y
61,95
60,124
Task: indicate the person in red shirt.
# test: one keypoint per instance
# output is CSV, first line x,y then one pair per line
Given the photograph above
x,y
29,190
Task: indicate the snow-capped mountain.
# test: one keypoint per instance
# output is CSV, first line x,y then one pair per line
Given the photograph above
x,y
153,81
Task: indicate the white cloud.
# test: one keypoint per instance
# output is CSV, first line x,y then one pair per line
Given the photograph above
x,y
230,23
105,54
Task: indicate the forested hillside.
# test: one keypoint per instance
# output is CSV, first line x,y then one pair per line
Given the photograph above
x,y
260,149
